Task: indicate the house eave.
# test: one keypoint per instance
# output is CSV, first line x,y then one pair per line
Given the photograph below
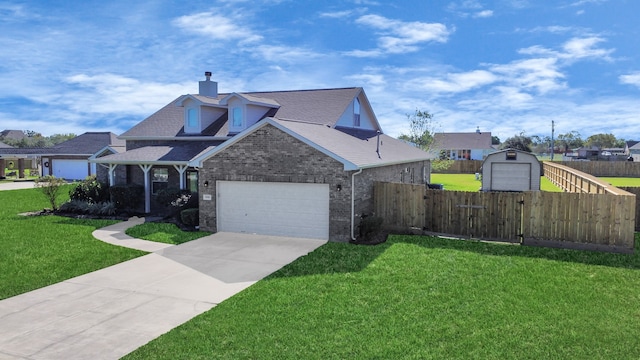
x,y
175,138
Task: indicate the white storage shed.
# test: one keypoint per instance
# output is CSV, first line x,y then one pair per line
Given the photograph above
x,y
511,170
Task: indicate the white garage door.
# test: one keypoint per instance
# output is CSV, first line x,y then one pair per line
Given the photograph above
x,y
510,176
281,209
70,169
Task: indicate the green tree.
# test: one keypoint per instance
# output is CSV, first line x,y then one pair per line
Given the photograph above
x,y
421,131
518,142
568,141
601,141
495,140
51,187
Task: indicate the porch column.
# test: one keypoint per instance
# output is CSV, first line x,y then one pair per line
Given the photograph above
x,y
147,191
181,169
2,166
21,168
112,174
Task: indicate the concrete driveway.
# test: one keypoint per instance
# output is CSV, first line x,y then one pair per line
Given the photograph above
x,y
110,312
17,185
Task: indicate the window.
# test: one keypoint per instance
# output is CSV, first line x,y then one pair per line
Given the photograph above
x,y
237,117
192,181
192,118
159,179
356,112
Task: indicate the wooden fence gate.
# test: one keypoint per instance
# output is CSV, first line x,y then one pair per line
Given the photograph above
x,y
585,221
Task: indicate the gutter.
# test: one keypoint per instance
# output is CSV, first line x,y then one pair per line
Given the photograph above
x,y
353,202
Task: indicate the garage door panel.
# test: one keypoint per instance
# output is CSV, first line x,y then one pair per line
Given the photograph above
x,y
510,177
285,209
70,169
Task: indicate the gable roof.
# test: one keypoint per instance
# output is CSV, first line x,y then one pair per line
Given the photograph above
x,y
462,140
179,154
85,144
320,106
354,152
5,146
12,134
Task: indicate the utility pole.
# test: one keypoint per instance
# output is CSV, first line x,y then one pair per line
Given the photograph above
x,y
552,142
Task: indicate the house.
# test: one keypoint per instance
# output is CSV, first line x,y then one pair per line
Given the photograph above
x,y
13,135
68,160
5,146
634,151
293,163
511,170
462,145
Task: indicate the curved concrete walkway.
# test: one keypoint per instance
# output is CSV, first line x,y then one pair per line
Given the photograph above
x,y
110,312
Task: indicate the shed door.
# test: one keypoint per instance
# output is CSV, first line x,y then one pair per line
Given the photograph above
x,y
281,209
70,169
510,176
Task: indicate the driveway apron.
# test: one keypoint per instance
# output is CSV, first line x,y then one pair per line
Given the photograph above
x,y
110,312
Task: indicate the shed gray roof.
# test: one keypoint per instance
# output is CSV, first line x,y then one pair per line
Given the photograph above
x,y
462,140
323,106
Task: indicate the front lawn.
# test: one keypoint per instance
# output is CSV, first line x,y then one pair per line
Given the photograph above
x,y
468,182
164,233
37,251
418,297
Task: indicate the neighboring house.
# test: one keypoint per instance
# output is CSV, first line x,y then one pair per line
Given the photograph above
x,y
4,146
15,135
68,160
588,152
634,151
628,145
462,146
511,170
291,163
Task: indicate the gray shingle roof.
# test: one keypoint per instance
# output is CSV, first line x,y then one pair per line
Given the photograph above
x,y
5,146
363,150
324,106
12,134
159,154
85,144
462,141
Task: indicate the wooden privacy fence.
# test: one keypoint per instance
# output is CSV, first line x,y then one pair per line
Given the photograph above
x,y
605,168
636,192
575,181
584,221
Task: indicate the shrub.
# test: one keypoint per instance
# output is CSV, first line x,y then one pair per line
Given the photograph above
x,y
90,190
370,225
190,217
104,208
51,187
126,196
174,197
75,207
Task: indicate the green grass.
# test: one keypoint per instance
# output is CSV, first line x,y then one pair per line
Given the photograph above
x,y
622,181
164,233
37,251
468,182
417,297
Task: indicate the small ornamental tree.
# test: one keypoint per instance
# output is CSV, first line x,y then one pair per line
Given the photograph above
x,y
51,187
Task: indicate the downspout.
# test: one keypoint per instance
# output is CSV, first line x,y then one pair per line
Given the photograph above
x,y
353,202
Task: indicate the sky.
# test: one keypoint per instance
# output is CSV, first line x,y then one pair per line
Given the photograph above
x,y
503,66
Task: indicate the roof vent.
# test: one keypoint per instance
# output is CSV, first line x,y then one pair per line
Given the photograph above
x,y
478,130
208,88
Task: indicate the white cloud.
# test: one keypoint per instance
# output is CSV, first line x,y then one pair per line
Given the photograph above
x,y
455,82
483,14
280,53
397,37
631,79
115,94
540,75
215,26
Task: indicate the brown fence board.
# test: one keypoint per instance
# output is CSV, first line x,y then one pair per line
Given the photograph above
x,y
605,168
578,220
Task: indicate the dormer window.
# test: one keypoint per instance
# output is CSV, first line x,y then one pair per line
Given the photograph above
x,y
356,113
192,118
237,117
